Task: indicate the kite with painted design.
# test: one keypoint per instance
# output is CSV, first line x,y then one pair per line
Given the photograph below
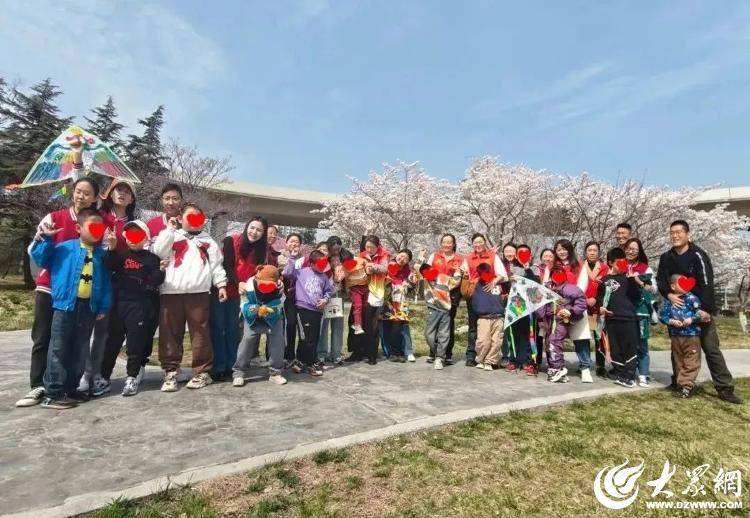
x,y
56,163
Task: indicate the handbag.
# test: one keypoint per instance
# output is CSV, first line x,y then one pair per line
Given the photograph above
x,y
467,288
334,308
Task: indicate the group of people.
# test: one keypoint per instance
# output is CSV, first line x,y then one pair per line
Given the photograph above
x,y
107,278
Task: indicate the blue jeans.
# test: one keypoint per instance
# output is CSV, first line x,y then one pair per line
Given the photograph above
x,y
643,359
223,323
405,336
583,351
68,349
336,327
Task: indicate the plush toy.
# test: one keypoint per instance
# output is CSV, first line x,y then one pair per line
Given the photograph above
x,y
264,299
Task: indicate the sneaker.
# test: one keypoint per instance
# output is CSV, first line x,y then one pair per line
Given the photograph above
x,y
358,330
471,363
83,385
296,367
504,362
315,370
199,381
32,397
479,365
531,369
131,386
729,396
58,403
488,367
586,376
141,375
601,372
338,362
642,381
238,381
278,379
448,361
182,375
411,358
438,364
170,382
78,397
393,359
352,358
556,376
100,386
430,359
401,359
625,383
510,367
685,393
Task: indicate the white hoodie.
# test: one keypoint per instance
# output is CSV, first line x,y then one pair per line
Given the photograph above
x,y
195,262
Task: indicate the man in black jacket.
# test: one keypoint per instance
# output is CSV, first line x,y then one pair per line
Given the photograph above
x,y
686,258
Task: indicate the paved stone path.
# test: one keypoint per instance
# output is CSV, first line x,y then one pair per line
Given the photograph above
x,y
59,463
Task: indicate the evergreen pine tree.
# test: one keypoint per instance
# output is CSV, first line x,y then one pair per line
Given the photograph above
x,y
104,125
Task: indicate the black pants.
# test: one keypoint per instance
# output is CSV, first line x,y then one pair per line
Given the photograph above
x,y
355,344
471,346
519,351
137,320
291,351
392,333
154,301
115,339
455,295
372,314
308,322
41,331
623,346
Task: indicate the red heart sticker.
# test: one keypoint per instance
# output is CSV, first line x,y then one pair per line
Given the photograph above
x,y
559,277
266,287
622,265
196,219
97,230
487,276
686,283
524,254
135,235
350,264
321,263
393,269
430,274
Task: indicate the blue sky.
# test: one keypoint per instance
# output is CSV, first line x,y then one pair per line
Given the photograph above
x,y
302,93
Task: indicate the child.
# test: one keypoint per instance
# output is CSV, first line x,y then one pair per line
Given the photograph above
x,y
313,289
356,281
488,306
138,275
437,296
559,317
685,334
618,298
81,292
194,265
263,311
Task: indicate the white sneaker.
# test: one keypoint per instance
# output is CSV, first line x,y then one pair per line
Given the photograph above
x,y
438,364
488,367
182,375
480,365
559,376
83,385
238,381
131,387
170,382
586,376
32,397
141,375
358,330
642,381
199,381
411,358
278,379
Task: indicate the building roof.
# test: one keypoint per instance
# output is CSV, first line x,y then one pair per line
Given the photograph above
x,y
724,195
274,192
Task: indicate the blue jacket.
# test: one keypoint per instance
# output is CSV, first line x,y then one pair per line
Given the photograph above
x,y
65,262
484,303
690,310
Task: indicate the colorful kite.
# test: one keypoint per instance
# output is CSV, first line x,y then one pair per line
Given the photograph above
x,y
525,297
56,163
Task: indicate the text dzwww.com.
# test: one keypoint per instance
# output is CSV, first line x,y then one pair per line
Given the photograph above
x,y
683,504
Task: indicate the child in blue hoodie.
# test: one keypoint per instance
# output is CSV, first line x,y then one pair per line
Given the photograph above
x,y
313,289
81,292
488,306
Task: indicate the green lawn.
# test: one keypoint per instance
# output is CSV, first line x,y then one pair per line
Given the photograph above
x,y
538,462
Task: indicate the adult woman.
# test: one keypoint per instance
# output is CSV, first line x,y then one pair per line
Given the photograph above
x,y
335,272
509,260
447,261
376,268
118,207
580,333
596,269
546,262
643,275
517,339
243,253
85,192
292,356
480,254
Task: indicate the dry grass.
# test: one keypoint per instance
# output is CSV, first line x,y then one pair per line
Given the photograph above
x,y
16,304
525,463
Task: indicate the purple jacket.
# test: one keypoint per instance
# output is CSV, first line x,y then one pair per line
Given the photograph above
x,y
573,300
309,287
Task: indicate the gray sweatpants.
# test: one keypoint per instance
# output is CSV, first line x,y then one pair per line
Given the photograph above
x,y
437,331
276,342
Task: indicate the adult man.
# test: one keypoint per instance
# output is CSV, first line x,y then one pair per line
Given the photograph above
x,y
623,232
171,204
686,258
